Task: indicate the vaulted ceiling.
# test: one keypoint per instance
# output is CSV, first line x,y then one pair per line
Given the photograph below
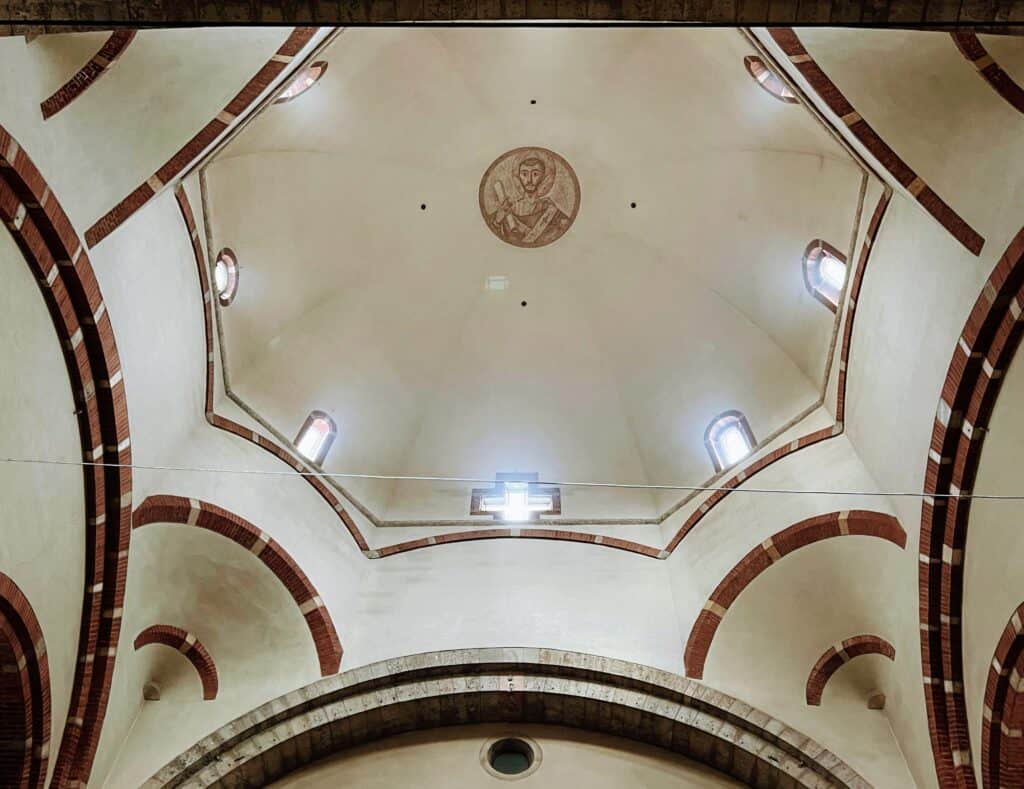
x,y
611,349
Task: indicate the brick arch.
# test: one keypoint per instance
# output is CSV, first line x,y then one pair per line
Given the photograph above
x,y
24,692
1002,729
838,655
1002,83
205,137
188,645
192,512
799,535
86,76
60,264
983,351
789,42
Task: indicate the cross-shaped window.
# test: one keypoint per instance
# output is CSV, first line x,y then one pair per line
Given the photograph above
x,y
516,498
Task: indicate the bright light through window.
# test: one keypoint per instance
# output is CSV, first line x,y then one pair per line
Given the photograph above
x,y
768,79
316,437
220,276
824,269
833,272
734,445
225,276
728,439
517,503
306,79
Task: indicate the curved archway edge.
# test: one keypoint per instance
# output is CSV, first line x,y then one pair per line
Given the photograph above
x,y
26,685
192,512
521,685
983,352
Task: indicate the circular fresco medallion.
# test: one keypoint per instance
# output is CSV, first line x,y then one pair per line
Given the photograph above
x,y
529,197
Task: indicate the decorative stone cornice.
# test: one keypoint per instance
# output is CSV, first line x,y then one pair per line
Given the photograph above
x,y
522,685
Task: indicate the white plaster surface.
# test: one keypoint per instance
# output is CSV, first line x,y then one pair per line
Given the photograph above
x,y
130,122
569,757
321,200
929,105
390,329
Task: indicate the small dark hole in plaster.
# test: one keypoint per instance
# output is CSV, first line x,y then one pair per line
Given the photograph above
x,y
632,205
533,101
423,206
522,304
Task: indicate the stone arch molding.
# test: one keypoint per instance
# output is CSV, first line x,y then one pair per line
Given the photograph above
x,y
520,685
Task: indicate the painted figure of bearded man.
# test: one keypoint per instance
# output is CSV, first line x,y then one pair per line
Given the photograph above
x,y
533,196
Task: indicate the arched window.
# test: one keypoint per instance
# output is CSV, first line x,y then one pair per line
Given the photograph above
x,y
728,439
824,272
306,79
316,436
768,79
225,276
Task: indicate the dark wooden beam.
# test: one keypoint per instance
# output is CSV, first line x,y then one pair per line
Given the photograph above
x,y
33,17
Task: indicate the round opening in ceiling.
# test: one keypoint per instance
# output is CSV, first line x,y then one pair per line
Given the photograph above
x,y
510,757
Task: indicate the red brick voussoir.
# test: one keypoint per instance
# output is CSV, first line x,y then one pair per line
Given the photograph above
x,y
990,71
192,512
983,352
24,692
827,90
188,645
205,137
799,535
86,76
1002,725
57,259
838,655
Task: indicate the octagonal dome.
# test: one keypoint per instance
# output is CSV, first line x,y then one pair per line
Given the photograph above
x,y
371,286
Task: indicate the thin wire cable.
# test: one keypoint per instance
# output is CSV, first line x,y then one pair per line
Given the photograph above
x,y
478,480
